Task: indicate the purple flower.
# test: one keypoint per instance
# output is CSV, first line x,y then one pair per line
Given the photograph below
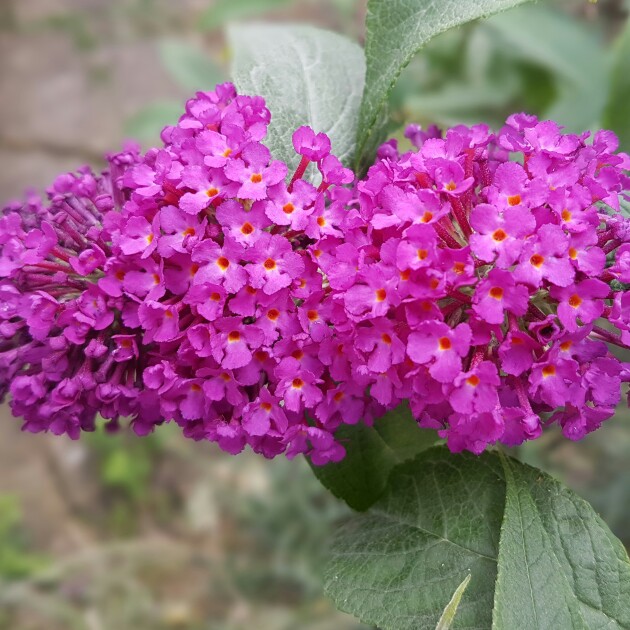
x,y
161,322
581,301
209,187
441,347
245,227
312,146
296,386
274,265
555,382
546,257
476,391
291,208
516,352
254,172
264,414
139,236
220,265
182,231
500,236
235,342
498,294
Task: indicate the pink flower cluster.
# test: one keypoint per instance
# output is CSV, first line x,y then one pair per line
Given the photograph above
x,y
185,288
63,355
476,290
203,284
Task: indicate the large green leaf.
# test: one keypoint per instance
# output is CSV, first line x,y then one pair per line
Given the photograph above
x,y
371,454
616,116
190,66
538,555
308,76
396,30
532,590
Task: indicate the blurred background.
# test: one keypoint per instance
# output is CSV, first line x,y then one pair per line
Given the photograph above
x,y
121,533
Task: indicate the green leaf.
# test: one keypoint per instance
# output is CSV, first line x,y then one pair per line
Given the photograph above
x,y
616,115
148,123
532,590
396,30
371,454
448,616
189,66
538,555
308,77
223,11
397,566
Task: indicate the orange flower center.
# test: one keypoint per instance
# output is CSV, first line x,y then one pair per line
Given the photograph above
x,y
566,215
297,383
247,228
288,208
496,293
514,200
266,406
575,300
312,315
215,297
223,262
256,178
386,338
444,343
426,217
566,345
269,264
537,260
459,268
473,380
212,192
422,254
572,253
234,336
381,294
273,314
549,370
499,235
